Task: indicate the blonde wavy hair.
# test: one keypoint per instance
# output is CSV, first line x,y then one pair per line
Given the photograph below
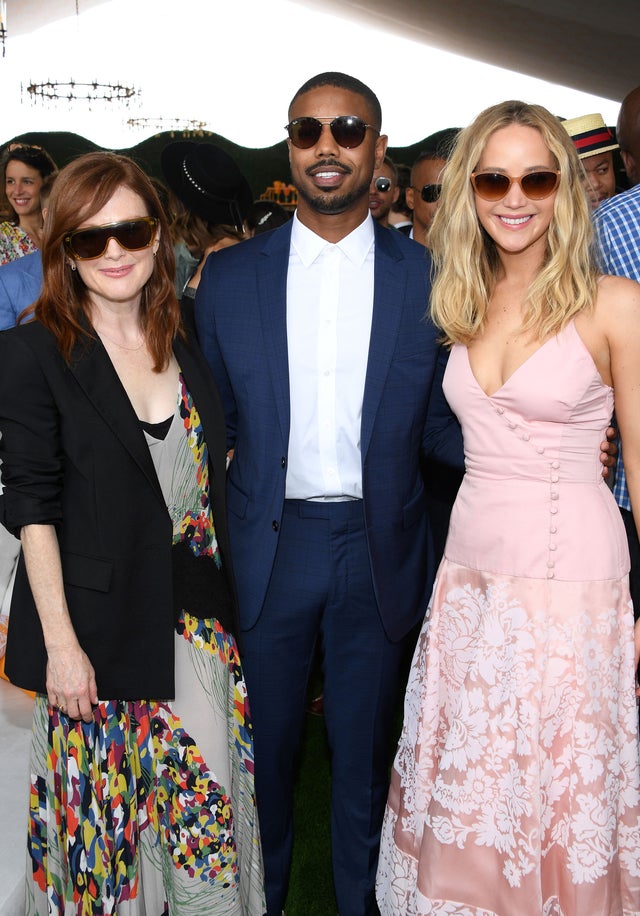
x,y
465,258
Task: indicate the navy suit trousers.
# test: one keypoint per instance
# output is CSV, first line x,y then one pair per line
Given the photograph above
x,y
321,591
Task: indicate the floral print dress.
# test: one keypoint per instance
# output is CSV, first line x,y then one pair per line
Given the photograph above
x,y
14,243
150,808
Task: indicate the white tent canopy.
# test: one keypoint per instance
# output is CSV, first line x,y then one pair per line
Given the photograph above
x,y
233,67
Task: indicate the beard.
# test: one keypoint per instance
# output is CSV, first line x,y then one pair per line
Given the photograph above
x,y
333,202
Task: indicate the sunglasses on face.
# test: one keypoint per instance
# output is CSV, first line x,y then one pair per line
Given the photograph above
x,y
382,184
133,234
496,185
348,131
430,193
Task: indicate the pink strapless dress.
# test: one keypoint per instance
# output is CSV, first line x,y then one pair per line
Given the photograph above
x,y
516,786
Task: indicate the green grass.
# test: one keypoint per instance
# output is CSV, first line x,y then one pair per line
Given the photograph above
x,y
311,884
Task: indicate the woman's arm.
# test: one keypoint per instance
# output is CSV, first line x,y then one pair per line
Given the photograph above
x,y
618,312
71,683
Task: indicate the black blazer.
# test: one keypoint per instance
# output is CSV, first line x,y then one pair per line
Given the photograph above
x,y
74,456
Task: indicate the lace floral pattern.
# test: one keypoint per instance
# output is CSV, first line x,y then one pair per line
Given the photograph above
x,y
519,748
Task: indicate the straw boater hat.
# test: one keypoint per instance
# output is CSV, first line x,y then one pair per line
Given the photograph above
x,y
590,135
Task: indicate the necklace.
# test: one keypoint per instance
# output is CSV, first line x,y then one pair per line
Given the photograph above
x,y
122,346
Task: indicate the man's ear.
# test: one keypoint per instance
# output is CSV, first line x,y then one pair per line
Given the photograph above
x,y
381,149
630,166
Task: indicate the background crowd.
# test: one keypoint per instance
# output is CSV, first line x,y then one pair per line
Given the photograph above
x,y
228,448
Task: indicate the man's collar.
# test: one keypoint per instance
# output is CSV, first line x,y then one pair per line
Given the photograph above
x,y
356,246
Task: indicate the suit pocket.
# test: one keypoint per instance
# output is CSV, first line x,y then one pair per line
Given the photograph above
x,y
87,572
236,500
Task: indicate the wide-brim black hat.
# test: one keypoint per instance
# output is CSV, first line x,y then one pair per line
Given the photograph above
x,y
208,182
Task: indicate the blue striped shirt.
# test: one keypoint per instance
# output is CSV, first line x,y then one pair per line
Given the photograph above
x,y
617,223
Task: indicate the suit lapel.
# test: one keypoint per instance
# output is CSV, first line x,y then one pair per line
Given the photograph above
x,y
95,374
272,269
387,311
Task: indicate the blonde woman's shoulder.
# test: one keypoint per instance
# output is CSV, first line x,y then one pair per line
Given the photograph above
x,y
617,311
617,295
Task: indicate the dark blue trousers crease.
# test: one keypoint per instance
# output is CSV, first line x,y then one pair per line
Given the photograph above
x,y
321,591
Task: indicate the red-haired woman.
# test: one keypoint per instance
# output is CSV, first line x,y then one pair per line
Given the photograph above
x,y
123,613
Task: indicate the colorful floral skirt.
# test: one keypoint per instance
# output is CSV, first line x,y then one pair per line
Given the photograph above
x,y
150,808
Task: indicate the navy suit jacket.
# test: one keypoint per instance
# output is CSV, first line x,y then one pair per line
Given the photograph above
x,y
20,285
241,323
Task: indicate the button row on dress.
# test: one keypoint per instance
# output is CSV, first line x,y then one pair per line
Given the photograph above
x,y
511,424
554,495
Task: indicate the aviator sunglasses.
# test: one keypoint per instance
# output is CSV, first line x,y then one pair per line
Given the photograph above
x,y
133,234
348,131
496,185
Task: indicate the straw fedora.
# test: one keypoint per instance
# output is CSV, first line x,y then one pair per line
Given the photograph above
x,y
590,135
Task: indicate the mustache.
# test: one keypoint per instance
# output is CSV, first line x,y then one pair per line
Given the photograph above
x,y
328,164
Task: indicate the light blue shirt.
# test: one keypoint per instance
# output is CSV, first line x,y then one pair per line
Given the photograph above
x,y
20,285
617,223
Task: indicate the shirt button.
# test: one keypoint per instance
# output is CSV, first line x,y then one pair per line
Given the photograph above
x,y
500,409
511,424
275,525
550,574
553,510
555,465
552,547
540,450
525,437
553,529
554,478
283,462
550,564
554,495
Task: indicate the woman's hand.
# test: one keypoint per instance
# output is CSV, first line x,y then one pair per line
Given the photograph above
x,y
71,682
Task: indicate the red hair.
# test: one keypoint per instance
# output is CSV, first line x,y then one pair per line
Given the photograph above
x,y
80,190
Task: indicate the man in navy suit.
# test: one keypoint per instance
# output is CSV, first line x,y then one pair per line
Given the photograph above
x,y
330,377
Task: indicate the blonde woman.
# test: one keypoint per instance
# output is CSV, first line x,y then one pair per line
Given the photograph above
x,y
516,787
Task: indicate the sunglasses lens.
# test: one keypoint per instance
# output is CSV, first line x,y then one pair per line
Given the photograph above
x,y
382,184
491,185
348,131
535,185
304,132
431,193
134,235
538,185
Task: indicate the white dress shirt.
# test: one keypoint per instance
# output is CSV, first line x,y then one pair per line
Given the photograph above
x,y
329,310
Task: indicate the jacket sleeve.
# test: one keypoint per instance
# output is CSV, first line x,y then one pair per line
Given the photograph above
x,y
207,296
30,445
442,438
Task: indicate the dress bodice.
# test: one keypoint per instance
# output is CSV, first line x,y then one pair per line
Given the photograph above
x,y
533,499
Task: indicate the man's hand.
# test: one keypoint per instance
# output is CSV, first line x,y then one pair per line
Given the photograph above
x,y
609,450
